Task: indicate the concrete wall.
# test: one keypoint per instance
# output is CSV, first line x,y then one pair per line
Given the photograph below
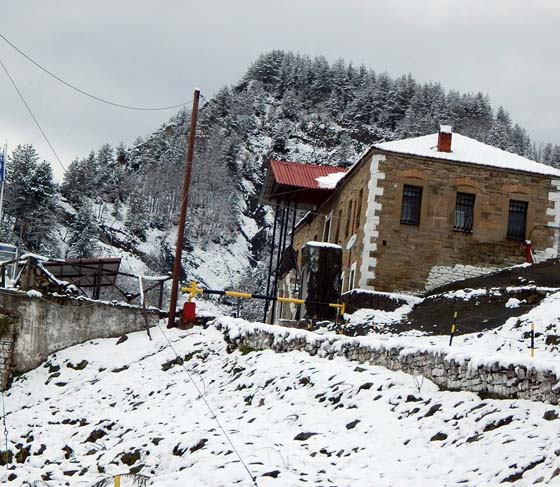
x,y
45,325
509,380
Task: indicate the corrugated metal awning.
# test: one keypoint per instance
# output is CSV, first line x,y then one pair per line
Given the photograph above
x,y
301,175
293,181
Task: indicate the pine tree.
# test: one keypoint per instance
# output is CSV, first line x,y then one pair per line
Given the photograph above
x,y
520,141
500,133
344,152
103,169
84,232
322,82
137,216
555,159
267,68
30,199
78,182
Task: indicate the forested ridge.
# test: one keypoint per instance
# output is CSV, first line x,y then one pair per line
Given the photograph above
x,y
124,200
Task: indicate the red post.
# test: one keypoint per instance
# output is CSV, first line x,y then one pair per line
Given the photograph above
x,y
183,211
528,252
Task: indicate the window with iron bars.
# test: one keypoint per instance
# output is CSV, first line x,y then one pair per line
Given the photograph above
x,y
464,212
411,204
517,220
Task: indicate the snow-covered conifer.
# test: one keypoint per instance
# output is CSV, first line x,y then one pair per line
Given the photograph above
x,y
83,234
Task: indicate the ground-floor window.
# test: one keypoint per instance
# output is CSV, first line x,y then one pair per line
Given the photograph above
x,y
517,220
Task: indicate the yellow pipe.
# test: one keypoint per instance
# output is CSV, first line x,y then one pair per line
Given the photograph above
x,y
193,290
117,481
341,307
282,299
235,294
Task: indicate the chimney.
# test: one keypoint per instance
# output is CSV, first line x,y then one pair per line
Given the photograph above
x,y
444,138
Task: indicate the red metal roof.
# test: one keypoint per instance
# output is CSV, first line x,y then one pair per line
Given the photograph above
x,y
301,175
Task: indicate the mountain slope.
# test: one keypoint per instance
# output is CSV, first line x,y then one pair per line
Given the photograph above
x,y
286,106
293,107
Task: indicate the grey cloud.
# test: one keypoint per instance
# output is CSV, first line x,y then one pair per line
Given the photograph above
x,y
154,53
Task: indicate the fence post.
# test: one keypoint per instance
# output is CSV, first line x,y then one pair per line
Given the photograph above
x,y
532,340
453,325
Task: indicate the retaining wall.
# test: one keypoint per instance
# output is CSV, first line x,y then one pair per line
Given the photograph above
x,y
44,325
442,275
483,375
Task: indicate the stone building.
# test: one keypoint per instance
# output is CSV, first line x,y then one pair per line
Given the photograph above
x,y
417,213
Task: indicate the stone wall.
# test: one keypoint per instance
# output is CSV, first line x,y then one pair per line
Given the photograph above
x,y
360,299
6,352
442,275
385,255
475,374
44,325
406,254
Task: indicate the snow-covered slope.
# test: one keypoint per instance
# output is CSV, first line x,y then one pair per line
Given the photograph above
x,y
295,419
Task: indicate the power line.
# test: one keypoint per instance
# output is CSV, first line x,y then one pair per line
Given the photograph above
x,y
212,413
32,114
83,92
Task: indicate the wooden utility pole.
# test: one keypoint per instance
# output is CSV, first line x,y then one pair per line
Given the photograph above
x,y
183,211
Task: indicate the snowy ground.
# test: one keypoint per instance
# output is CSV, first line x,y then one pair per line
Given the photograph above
x,y
295,419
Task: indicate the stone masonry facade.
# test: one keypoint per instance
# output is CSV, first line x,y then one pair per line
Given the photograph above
x,y
387,255
347,210
6,350
500,380
442,275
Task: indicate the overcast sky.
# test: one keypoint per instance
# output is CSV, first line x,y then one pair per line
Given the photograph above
x,y
154,53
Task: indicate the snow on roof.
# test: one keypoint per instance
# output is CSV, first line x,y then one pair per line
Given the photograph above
x,y
445,129
323,244
465,149
330,180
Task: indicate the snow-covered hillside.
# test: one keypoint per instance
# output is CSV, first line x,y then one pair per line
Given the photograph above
x,y
109,407
124,200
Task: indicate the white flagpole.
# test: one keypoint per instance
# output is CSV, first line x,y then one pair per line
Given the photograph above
x,y
5,157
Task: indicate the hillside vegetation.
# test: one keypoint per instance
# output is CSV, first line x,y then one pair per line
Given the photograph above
x,y
124,200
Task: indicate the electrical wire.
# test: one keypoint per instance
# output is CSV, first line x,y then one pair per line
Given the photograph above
x,y
213,414
32,115
83,92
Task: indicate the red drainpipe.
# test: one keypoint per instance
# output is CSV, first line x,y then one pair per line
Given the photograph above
x,y
528,252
